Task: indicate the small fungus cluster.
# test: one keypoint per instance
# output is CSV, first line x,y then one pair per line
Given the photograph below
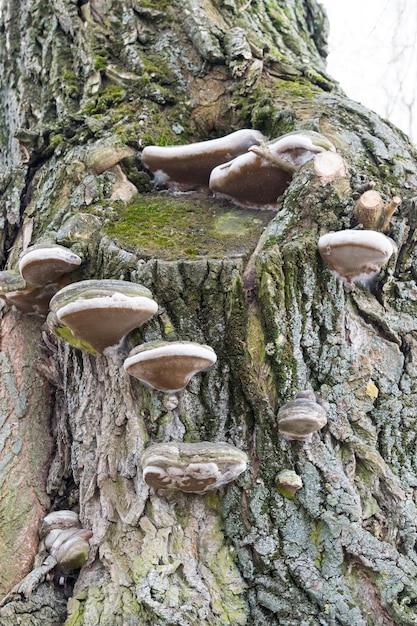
x,y
243,166
63,538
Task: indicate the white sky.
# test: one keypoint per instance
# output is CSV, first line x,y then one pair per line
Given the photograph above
x,y
373,55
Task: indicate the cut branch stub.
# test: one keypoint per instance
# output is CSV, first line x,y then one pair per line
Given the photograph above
x,y
192,467
258,178
45,263
301,417
190,165
356,255
372,213
169,365
96,314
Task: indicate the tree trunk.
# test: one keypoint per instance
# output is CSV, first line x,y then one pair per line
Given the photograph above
x,y
84,87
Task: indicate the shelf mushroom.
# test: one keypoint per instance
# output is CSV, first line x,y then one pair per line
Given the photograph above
x,y
356,255
301,417
43,270
96,314
259,177
190,165
192,467
288,483
41,264
34,300
169,365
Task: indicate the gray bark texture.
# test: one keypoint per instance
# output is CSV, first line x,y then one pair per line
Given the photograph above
x,y
84,87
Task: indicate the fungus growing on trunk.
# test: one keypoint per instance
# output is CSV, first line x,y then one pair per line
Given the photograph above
x,y
356,255
169,365
301,417
288,483
190,165
35,300
97,314
45,263
64,540
259,177
192,467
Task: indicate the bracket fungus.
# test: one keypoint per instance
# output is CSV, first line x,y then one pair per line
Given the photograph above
x,y
288,482
34,300
190,165
301,417
97,314
27,299
63,538
356,255
45,263
169,365
260,176
192,467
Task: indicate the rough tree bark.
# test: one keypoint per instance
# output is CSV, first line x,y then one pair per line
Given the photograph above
x,y
83,87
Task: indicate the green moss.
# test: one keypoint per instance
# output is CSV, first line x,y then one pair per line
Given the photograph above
x,y
172,227
75,612
111,96
100,62
298,89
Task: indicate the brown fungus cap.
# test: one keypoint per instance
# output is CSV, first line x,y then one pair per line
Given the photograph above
x,y
59,520
45,263
356,255
259,177
169,365
190,165
72,551
300,418
192,467
97,314
34,300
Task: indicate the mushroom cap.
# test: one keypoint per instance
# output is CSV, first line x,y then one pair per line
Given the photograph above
x,y
288,482
98,313
299,418
355,254
45,263
168,365
192,467
58,520
35,300
253,180
55,538
191,164
69,547
71,550
250,180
